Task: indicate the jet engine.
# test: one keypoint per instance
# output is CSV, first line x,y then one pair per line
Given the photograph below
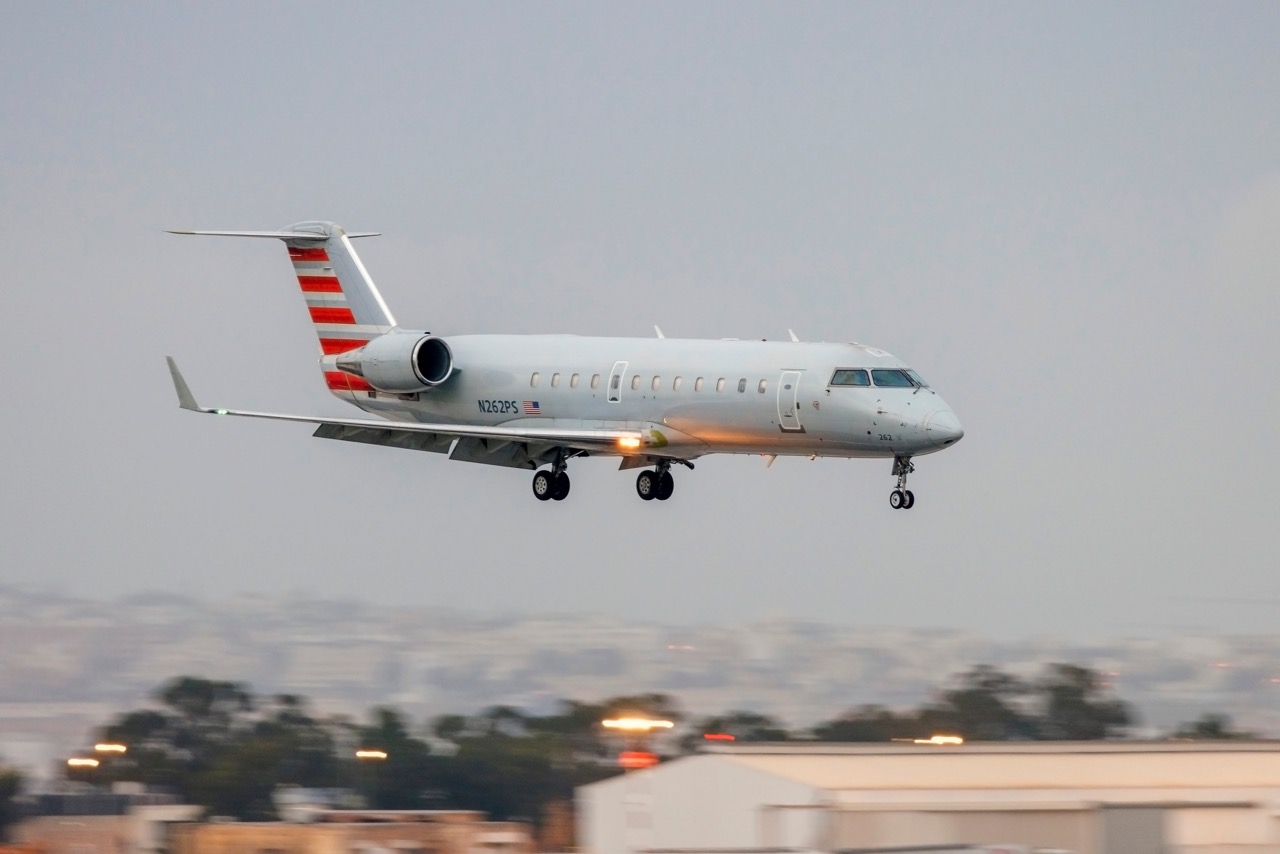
x,y
401,362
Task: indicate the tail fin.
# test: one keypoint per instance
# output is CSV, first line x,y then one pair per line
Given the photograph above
x,y
344,304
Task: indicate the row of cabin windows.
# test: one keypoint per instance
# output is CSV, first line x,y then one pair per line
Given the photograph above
x,y
656,384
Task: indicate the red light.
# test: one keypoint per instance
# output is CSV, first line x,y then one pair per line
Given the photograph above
x,y
718,736
632,759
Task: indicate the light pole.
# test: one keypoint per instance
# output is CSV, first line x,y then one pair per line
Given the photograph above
x,y
364,756
635,755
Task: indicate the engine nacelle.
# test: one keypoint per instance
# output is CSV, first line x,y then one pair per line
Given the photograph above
x,y
401,362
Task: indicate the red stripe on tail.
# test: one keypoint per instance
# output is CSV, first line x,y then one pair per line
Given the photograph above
x,y
320,284
330,346
298,254
328,314
338,381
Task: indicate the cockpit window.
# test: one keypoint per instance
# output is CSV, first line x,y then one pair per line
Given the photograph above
x,y
917,379
850,376
892,378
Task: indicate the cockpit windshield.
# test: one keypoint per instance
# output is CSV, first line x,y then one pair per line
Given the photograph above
x,y
850,376
891,378
917,379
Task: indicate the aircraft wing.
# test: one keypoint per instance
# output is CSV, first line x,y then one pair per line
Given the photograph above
x,y
522,447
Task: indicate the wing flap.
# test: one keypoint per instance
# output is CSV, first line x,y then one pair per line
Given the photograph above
x,y
431,442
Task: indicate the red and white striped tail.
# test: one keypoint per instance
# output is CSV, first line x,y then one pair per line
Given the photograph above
x,y
343,302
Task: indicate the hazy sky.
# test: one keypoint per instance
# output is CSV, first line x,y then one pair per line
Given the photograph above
x,y
1065,216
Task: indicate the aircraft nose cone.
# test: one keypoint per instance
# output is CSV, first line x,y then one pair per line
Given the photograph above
x,y
943,428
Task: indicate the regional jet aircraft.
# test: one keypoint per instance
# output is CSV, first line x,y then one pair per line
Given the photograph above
x,y
529,401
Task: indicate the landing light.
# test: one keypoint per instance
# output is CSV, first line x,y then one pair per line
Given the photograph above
x,y
81,762
940,740
110,748
221,412
629,442
371,754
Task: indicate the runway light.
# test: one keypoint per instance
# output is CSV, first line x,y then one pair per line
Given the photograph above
x,y
718,736
941,740
630,442
110,748
636,724
633,759
371,754
82,762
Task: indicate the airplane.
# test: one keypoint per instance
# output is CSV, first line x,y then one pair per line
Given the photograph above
x,y
535,401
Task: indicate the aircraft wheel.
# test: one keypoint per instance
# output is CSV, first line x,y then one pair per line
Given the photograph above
x,y
897,499
911,500
647,485
543,485
561,487
666,486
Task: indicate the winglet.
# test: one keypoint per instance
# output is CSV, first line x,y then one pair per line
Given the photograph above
x,y
659,331
793,336
185,398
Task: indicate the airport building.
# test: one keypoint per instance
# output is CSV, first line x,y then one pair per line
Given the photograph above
x,y
175,829
1084,798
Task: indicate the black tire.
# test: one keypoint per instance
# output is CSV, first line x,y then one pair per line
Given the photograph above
x,y
561,487
647,485
897,499
911,500
666,486
543,485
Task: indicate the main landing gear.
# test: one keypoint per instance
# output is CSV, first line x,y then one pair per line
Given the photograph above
x,y
658,483
902,498
553,484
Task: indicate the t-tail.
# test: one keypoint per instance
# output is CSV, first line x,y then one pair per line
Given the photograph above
x,y
342,300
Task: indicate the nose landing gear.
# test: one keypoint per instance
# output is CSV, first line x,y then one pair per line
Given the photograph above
x,y
902,498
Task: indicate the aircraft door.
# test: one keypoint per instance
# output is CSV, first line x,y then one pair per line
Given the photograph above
x,y
614,393
788,406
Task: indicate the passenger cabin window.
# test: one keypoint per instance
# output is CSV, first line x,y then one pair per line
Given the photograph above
x,y
613,383
763,384
657,381
533,380
891,378
697,384
635,382
742,385
850,376
595,381
573,381
676,383
555,380
720,384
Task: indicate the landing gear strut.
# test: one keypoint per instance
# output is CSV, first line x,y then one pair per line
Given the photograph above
x,y
553,484
658,483
902,498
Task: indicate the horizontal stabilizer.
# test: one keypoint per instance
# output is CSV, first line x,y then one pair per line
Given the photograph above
x,y
281,235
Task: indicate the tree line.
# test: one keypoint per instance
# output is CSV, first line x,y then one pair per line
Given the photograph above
x,y
217,744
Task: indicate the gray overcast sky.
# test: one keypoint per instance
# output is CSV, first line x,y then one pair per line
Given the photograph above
x,y
1066,216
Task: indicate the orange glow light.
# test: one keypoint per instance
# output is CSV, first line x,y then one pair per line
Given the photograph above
x,y
633,759
718,736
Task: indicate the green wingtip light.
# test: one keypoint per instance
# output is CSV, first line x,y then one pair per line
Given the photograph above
x,y
221,412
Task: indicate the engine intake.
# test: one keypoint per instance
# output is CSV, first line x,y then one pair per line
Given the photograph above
x,y
401,362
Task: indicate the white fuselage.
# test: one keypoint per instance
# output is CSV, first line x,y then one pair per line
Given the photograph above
x,y
704,396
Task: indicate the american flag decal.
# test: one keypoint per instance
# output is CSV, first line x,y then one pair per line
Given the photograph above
x,y
531,408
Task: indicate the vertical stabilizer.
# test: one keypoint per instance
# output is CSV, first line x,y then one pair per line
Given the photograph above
x,y
342,300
